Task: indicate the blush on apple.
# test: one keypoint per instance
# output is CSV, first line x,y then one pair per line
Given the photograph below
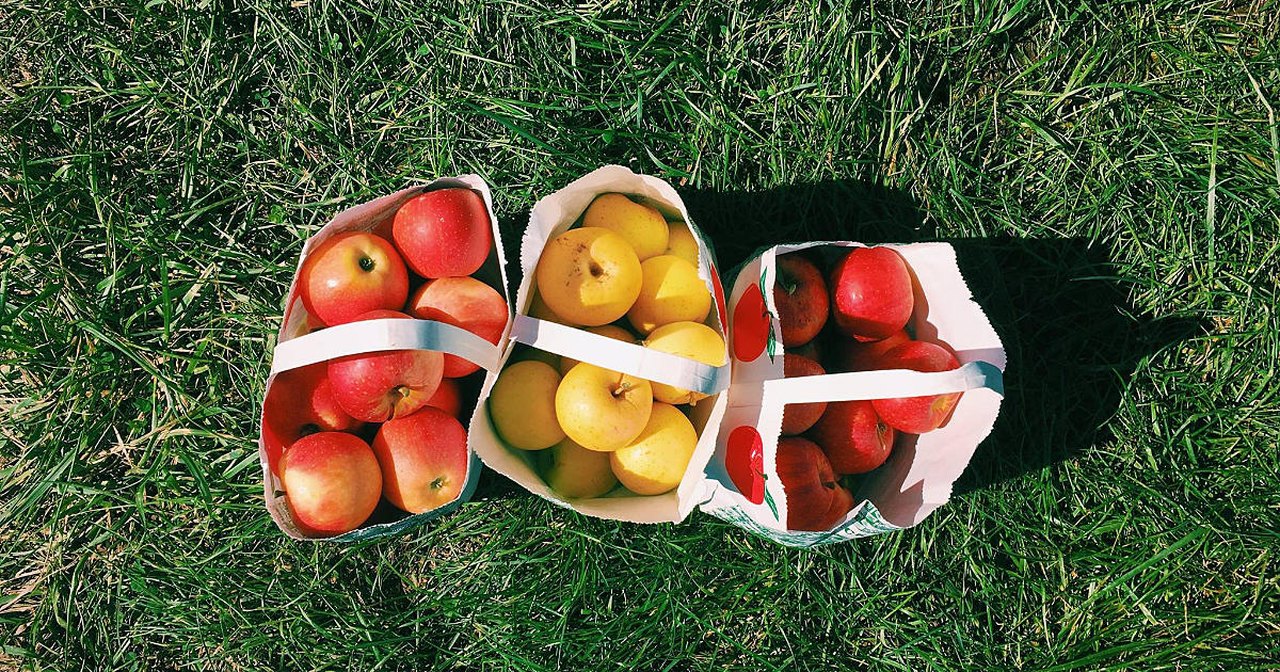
x,y
379,386
917,415
815,501
350,274
871,293
800,294
466,303
443,233
853,437
301,402
423,458
867,356
331,482
796,418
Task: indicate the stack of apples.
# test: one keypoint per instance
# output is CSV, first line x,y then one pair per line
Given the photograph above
x,y
343,434
858,321
623,272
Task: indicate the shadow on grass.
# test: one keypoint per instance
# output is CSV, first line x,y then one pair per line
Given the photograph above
x,y
1072,339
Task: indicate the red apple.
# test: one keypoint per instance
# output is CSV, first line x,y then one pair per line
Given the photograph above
x,y
447,398
466,303
853,437
424,460
331,482
871,293
917,415
800,295
856,356
443,233
378,386
301,402
796,418
815,501
350,274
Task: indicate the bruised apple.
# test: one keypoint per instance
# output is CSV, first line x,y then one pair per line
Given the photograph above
x,y
378,386
350,274
871,293
443,233
466,303
917,415
331,482
800,294
853,437
423,459
815,501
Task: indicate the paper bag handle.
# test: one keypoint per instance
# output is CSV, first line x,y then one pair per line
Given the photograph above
x,y
889,384
354,338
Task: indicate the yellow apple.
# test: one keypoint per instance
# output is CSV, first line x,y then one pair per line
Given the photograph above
x,y
528,353
642,226
589,276
680,243
577,473
608,330
538,308
687,339
522,405
601,409
670,291
655,462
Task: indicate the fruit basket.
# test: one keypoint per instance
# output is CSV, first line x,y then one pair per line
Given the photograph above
x,y
398,308
806,457
610,396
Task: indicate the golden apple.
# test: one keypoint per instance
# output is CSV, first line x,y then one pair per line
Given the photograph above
x,y
642,226
670,291
527,353
680,243
601,409
538,308
609,331
522,405
656,461
687,339
577,473
588,276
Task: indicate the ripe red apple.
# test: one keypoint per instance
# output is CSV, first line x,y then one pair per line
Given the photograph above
x,y
917,415
378,386
331,482
867,356
796,418
350,274
423,458
871,294
466,303
443,233
853,437
447,398
815,501
301,402
800,294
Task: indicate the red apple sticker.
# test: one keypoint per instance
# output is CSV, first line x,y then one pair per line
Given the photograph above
x,y
744,460
750,325
719,295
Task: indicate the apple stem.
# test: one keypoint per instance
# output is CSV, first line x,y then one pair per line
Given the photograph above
x,y
366,264
622,389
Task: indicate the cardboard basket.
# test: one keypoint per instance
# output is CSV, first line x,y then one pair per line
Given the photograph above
x,y
742,483
550,217
296,348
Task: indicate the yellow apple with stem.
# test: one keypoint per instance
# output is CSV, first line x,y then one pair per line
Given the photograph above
x,y
609,331
522,405
680,242
688,339
601,409
588,276
656,461
577,473
641,225
670,291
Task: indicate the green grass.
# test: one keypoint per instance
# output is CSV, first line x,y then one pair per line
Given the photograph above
x,y
1110,170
